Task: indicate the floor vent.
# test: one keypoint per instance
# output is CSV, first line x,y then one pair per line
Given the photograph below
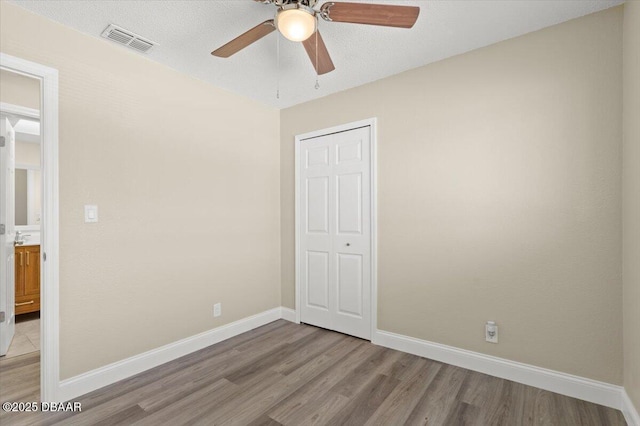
x,y
127,38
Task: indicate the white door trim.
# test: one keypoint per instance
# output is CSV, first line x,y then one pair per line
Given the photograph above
x,y
372,123
19,110
49,279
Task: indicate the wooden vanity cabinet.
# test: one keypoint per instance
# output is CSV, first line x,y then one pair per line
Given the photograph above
x,y
27,279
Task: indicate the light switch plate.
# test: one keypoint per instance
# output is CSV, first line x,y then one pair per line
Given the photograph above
x,y
90,213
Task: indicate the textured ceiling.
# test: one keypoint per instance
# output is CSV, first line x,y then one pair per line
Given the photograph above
x,y
187,31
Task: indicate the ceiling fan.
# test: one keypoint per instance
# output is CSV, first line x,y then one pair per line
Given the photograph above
x,y
297,20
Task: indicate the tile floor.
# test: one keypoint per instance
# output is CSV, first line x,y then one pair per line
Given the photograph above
x,y
27,337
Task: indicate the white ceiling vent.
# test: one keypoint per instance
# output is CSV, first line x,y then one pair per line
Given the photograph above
x,y
127,38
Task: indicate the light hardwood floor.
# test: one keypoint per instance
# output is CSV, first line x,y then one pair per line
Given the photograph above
x,y
288,374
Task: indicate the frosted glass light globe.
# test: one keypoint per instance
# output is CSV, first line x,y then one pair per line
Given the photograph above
x,y
296,24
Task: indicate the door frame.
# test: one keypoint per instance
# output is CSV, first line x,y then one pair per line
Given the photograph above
x,y
373,163
49,243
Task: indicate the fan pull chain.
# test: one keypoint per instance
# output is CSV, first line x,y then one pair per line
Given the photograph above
x,y
317,86
278,66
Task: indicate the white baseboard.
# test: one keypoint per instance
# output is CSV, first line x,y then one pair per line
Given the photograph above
x,y
103,376
288,314
629,410
554,381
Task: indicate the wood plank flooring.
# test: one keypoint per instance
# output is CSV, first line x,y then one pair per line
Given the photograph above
x,y
289,374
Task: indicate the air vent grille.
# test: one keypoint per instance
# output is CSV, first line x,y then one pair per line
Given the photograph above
x,y
141,45
127,38
119,36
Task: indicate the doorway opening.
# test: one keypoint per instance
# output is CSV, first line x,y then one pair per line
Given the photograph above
x,y
20,113
29,227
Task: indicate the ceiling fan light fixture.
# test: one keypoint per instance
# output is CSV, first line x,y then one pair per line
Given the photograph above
x,y
296,22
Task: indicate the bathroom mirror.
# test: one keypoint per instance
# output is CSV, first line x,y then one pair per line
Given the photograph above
x,y
28,196
28,176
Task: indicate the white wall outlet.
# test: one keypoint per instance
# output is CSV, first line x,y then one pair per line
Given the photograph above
x,y
217,309
491,332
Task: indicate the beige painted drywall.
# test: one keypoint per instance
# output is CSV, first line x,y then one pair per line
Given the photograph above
x,y
631,200
19,90
498,196
186,179
27,153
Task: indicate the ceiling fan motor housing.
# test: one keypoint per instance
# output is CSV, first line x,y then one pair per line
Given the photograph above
x,y
280,3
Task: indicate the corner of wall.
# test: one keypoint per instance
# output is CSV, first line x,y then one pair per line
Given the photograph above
x,y
631,209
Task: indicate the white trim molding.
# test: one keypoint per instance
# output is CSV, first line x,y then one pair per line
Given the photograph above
x,y
372,123
629,411
289,315
50,276
104,376
19,110
554,381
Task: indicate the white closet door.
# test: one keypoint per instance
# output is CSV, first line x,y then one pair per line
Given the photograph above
x,y
335,232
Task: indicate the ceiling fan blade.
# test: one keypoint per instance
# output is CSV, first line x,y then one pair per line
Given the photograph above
x,y
324,62
371,14
245,39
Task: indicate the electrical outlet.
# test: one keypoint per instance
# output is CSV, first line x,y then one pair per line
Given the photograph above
x,y
217,309
491,332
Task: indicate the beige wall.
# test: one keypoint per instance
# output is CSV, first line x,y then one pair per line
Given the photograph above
x,y
27,153
19,90
178,170
499,196
631,201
